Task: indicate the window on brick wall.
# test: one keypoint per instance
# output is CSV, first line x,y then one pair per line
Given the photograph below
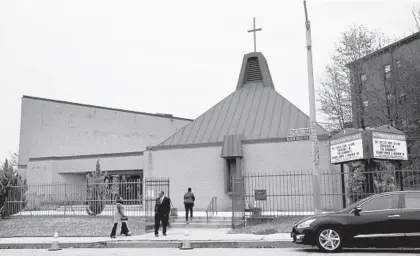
x,y
366,103
231,170
388,98
402,98
387,69
363,77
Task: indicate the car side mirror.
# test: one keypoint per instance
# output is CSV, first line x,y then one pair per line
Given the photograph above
x,y
358,209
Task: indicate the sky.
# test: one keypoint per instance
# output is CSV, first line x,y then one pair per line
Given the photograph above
x,y
177,57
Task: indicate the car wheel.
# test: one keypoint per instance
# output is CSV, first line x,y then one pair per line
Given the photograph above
x,y
329,239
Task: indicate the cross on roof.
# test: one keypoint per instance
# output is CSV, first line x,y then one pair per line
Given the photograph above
x,y
255,36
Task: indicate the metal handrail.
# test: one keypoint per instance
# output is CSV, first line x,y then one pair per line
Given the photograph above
x,y
211,208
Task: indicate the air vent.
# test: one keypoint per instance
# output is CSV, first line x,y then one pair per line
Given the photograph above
x,y
253,70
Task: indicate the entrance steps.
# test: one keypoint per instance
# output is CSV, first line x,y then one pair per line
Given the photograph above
x,y
201,221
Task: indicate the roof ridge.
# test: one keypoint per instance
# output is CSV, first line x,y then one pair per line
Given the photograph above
x,y
106,108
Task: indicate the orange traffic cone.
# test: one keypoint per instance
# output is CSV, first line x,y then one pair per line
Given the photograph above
x,y
55,246
186,243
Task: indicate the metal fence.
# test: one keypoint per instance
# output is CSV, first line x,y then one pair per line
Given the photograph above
x,y
291,193
64,199
238,202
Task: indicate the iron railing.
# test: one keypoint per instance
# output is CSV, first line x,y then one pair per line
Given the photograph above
x,y
291,193
65,199
211,208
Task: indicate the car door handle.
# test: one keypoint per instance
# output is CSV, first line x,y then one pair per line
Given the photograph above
x,y
394,216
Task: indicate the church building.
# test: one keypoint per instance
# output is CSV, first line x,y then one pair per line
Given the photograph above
x,y
244,133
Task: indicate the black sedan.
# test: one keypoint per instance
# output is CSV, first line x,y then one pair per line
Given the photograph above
x,y
385,220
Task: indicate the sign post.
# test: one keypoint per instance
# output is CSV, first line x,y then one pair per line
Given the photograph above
x,y
312,115
384,143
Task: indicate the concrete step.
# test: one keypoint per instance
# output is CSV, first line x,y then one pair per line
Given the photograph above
x,y
201,225
201,221
182,217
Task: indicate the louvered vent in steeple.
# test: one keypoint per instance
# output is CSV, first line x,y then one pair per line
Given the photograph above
x,y
253,70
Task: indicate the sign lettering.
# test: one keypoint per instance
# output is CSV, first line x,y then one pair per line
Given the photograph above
x,y
389,146
260,194
346,149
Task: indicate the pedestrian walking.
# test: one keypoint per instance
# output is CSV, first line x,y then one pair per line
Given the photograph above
x,y
162,210
189,200
119,216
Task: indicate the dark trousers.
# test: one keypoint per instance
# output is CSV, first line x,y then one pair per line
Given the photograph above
x,y
160,218
188,208
124,229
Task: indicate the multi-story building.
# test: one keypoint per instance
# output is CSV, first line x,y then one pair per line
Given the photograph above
x,y
377,90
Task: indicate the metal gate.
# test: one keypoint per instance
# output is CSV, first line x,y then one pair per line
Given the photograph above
x,y
238,202
152,188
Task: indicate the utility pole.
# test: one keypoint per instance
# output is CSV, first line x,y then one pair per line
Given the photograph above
x,y
313,125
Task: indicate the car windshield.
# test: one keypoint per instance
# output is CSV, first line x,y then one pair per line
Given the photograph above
x,y
353,205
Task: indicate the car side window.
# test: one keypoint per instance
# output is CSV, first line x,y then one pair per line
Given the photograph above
x,y
381,203
412,200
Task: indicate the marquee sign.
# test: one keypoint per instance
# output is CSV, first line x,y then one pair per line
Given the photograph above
x,y
389,146
345,149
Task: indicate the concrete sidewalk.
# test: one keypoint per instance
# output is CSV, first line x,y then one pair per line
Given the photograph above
x,y
208,238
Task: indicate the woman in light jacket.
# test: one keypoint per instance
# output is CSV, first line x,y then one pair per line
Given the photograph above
x,y
119,216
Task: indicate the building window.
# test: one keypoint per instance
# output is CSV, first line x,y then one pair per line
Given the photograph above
x,y
231,170
402,98
387,69
365,103
363,77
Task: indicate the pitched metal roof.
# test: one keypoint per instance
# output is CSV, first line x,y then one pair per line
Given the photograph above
x,y
254,110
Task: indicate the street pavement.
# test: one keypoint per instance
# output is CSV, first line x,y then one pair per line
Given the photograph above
x,y
173,235
195,252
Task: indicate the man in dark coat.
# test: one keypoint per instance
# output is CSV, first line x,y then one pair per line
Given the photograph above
x,y
162,210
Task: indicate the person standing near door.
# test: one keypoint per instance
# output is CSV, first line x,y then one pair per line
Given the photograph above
x,y
189,200
162,210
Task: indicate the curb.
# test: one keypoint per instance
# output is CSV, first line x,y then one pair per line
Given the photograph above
x,y
158,244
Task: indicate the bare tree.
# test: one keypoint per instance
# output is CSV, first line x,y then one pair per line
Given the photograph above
x,y
335,92
333,96
416,16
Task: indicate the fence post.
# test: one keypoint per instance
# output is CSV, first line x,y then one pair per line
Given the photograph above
x,y
400,171
343,185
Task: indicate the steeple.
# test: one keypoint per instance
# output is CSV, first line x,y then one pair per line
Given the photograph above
x,y
254,69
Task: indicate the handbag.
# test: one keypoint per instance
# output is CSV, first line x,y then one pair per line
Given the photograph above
x,y
174,211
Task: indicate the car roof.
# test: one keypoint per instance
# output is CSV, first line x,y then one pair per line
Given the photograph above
x,y
397,192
